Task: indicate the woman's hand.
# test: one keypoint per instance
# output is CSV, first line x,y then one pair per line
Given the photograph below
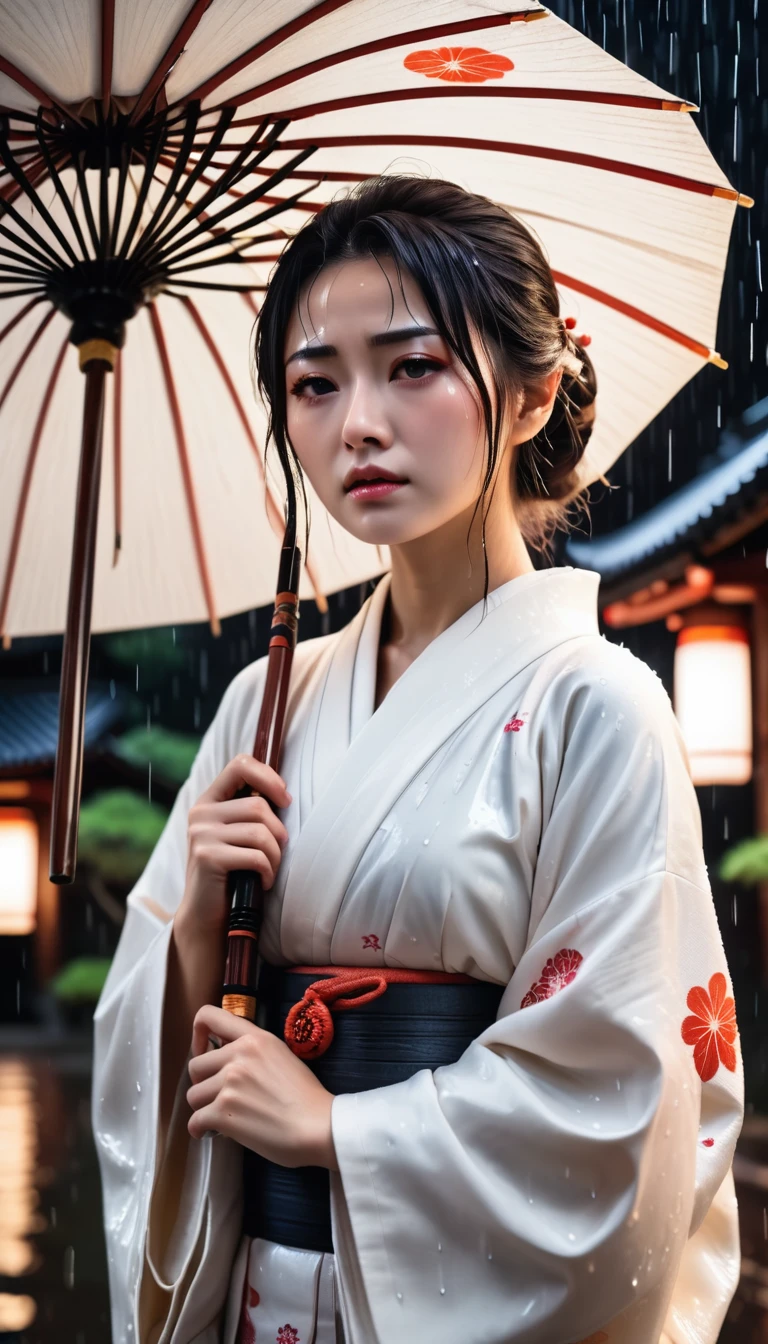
x,y
253,1089
226,834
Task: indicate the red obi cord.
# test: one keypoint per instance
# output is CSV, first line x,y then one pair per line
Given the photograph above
x,y
309,1026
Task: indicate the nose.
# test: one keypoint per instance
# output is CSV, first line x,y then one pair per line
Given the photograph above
x,y
365,421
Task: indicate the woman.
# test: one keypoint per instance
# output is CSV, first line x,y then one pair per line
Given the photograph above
x,y
476,789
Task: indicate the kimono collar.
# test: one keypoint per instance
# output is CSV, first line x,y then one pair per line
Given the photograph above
x,y
356,762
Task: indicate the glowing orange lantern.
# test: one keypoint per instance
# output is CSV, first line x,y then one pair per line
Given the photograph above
x,y
713,700
19,842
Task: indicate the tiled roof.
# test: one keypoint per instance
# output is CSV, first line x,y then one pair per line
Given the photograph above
x,y
691,514
29,723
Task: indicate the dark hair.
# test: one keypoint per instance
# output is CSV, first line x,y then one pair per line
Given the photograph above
x,y
477,266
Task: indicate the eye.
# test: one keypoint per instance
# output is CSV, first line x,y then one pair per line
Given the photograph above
x,y
416,366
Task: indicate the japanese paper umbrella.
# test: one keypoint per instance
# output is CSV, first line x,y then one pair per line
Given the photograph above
x,y
155,156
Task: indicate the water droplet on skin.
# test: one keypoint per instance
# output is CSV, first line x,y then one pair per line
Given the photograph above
x,y
138,1086
399,1297
590,1267
634,1283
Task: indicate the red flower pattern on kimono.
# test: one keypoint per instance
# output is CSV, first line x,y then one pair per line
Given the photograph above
x,y
707,1143
711,1028
371,940
247,1332
559,971
463,65
287,1335
514,725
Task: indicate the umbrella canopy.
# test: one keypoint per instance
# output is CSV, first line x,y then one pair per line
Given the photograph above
x,y
109,104
155,157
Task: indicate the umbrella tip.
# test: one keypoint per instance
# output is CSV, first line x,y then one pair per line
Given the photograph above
x,y
717,360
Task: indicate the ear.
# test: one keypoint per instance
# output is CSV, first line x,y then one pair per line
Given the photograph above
x,y
536,407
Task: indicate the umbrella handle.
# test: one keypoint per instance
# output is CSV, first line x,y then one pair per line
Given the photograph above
x,y
95,361
246,890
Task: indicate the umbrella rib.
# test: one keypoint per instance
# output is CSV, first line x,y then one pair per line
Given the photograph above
x,y
21,507
527,151
638,315
297,25
169,58
6,208
18,317
458,91
77,160
430,35
186,472
53,173
107,52
248,199
264,148
273,513
272,510
23,357
203,284
193,173
8,68
193,113
117,448
150,165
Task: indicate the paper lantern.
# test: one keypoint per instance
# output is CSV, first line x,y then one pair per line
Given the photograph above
x,y
713,702
18,870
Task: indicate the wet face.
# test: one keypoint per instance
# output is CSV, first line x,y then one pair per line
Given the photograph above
x,y
371,384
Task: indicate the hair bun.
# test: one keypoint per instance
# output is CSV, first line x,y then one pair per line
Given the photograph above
x,y
546,464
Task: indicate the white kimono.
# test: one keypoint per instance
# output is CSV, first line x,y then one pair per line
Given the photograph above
x,y
518,808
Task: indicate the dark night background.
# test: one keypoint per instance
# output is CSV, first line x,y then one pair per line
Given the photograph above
x,y
707,51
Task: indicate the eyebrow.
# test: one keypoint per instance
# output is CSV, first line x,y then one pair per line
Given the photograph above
x,y
383,338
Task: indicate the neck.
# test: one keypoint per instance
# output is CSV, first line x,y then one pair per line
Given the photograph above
x,y
436,578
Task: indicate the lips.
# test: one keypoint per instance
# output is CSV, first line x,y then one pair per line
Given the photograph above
x,y
385,478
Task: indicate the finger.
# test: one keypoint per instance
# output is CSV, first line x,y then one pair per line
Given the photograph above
x,y
211,1061
246,770
224,858
253,835
208,1120
253,809
203,1093
210,1020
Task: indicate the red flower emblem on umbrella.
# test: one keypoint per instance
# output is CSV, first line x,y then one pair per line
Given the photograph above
x,y
287,1335
559,971
459,65
711,1028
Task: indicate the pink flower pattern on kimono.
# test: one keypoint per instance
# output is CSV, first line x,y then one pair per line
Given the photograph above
x,y
371,940
287,1335
559,971
514,725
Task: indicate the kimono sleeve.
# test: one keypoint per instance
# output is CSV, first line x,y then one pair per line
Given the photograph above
x,y
127,1041
545,1188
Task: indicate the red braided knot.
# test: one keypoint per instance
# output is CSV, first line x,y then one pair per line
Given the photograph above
x,y
309,1026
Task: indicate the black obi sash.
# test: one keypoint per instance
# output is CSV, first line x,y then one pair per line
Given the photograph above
x,y
408,1028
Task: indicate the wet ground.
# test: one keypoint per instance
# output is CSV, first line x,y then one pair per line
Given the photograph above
x,y
53,1281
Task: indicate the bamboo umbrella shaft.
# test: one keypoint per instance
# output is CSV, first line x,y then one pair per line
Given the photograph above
x,y
77,639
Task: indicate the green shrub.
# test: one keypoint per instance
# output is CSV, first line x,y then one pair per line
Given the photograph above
x,y
118,831
747,862
81,980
